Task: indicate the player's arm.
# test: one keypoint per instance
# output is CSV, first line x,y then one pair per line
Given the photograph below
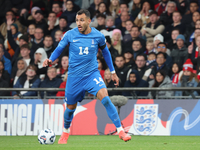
x,y
108,59
56,53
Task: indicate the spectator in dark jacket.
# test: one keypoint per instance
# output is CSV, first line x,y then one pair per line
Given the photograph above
x,y
3,84
51,82
180,54
6,61
30,80
5,75
135,81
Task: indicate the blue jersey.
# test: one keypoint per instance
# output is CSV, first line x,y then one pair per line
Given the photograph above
x,y
83,50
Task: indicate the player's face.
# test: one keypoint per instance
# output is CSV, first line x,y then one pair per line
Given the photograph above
x,y
82,22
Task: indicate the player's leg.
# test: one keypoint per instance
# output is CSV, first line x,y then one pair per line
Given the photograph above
x,y
102,95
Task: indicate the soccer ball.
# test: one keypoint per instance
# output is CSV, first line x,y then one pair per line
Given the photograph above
x,y
46,136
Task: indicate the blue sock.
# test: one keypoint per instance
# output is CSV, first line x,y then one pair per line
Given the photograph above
x,y
111,111
68,116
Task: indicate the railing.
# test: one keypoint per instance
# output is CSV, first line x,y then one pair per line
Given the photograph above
x,y
191,89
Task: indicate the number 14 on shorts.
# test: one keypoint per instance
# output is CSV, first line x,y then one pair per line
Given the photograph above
x,y
98,81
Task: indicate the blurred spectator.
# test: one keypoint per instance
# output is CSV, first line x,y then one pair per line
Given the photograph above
x,y
53,21
109,82
153,27
163,48
149,46
157,39
143,16
63,69
24,54
151,59
127,36
137,48
188,79
39,21
63,26
129,60
57,8
94,7
18,5
176,24
10,16
190,37
141,67
187,18
62,85
3,84
4,7
112,50
135,32
116,40
101,18
114,8
70,13
110,23
30,80
33,10
136,8
48,45
182,6
176,74
135,81
31,31
161,81
180,54
51,81
15,35
58,36
161,7
122,26
103,10
21,68
38,40
172,43
166,16
39,57
5,75
121,69
6,61
101,66
160,64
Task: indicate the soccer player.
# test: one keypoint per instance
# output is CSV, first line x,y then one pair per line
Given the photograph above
x,y
83,74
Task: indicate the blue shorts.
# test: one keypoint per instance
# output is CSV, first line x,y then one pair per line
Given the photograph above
x,y
76,87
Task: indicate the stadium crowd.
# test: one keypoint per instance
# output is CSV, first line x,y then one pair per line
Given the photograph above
x,y
152,43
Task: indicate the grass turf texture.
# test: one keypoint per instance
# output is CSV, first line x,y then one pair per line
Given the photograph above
x,y
104,142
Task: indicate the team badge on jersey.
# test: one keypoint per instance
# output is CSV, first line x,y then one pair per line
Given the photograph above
x,y
145,118
93,44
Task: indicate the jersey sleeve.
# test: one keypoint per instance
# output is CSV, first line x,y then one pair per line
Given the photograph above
x,y
102,41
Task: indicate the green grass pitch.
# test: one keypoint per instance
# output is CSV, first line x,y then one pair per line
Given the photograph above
x,y
104,142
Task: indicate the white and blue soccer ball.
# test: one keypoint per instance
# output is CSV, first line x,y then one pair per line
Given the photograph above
x,y
46,136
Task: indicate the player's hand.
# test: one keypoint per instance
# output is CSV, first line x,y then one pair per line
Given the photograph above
x,y
47,62
116,79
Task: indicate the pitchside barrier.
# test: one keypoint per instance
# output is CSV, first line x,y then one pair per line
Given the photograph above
x,y
138,116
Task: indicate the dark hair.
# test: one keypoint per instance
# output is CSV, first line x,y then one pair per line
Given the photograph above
x,y
176,12
103,62
25,46
39,28
194,1
135,27
101,15
152,53
162,43
162,72
137,41
107,10
124,3
48,36
151,4
120,56
153,12
51,12
164,54
60,5
11,11
84,11
130,21
179,67
177,29
143,55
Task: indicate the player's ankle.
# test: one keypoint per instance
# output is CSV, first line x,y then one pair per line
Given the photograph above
x,y
120,129
66,130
